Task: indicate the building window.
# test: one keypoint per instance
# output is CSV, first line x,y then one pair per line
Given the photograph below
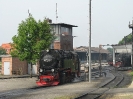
x,y
66,31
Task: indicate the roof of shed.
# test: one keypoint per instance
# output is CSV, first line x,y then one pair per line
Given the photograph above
x,y
93,49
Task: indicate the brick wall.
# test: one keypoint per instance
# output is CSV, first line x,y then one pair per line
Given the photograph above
x,y
21,67
66,42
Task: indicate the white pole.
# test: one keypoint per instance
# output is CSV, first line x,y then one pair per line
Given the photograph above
x,y
113,56
89,41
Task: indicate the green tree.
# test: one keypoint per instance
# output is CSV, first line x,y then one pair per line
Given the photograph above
x,y
2,51
110,50
32,37
126,40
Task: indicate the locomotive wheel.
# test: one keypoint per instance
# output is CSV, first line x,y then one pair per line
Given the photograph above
x,y
70,79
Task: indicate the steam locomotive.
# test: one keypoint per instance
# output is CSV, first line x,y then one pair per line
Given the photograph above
x,y
58,67
122,61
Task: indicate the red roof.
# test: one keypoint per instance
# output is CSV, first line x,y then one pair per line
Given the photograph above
x,y
6,46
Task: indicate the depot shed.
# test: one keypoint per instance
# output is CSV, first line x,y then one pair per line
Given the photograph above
x,y
12,65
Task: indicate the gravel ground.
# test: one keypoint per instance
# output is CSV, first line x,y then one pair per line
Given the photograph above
x,y
66,91
17,83
56,92
118,93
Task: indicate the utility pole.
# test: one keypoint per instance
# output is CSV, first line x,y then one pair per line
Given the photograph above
x,y
100,67
89,69
131,26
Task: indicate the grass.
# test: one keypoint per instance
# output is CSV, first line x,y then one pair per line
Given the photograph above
x,y
131,73
67,96
64,97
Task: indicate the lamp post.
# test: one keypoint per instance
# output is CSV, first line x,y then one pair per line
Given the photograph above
x,y
73,38
31,62
131,26
87,57
89,68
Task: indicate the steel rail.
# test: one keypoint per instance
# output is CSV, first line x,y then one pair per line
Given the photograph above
x,y
95,95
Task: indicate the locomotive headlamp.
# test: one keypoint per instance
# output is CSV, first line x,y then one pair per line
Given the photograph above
x,y
52,70
47,50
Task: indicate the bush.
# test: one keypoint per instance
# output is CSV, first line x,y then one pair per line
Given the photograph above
x,y
131,73
0,64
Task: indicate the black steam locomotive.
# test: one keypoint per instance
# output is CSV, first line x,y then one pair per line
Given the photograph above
x,y
123,61
58,67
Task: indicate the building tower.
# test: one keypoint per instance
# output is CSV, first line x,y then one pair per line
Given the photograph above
x,y
64,36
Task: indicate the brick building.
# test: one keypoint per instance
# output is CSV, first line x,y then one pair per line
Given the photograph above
x,y
64,36
12,65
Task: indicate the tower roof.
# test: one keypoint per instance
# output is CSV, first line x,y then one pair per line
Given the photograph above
x,y
63,24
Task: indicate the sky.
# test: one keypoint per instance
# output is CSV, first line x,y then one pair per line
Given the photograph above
x,y
110,18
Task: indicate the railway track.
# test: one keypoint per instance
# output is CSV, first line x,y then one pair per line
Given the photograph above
x,y
97,93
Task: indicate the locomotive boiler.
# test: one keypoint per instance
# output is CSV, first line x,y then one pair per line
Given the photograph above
x,y
58,67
